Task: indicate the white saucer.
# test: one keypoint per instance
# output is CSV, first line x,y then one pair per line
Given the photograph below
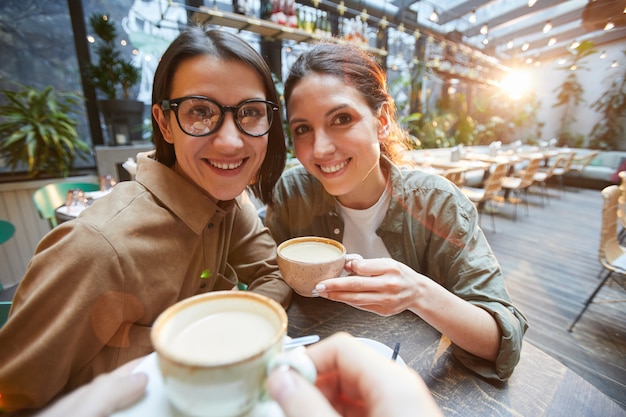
x,y
156,404
381,348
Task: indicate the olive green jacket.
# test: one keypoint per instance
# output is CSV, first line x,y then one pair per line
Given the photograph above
x,y
431,227
96,284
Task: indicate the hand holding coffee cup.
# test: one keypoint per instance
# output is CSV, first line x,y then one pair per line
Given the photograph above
x,y
214,352
305,261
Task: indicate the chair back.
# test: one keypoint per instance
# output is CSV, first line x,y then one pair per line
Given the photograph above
x,y
456,175
493,183
52,196
621,213
558,162
579,164
610,248
563,164
5,306
7,230
529,174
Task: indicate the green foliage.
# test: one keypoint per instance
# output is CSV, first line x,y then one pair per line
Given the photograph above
x,y
608,133
570,93
112,74
37,130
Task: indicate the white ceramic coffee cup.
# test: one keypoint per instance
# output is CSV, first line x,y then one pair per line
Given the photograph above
x,y
305,261
214,351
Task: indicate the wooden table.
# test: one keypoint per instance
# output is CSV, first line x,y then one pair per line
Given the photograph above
x,y
539,386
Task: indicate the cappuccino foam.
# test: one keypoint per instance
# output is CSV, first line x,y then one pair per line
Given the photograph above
x,y
311,252
224,337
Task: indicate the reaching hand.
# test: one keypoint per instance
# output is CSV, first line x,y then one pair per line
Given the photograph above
x,y
353,380
103,396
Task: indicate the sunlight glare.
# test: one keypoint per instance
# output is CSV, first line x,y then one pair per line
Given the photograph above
x,y
516,84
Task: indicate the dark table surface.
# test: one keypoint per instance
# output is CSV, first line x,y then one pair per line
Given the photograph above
x,y
539,386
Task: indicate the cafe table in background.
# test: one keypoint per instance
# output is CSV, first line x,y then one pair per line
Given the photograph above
x,y
539,386
71,210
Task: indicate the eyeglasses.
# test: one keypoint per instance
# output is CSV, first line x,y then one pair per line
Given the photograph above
x,y
201,116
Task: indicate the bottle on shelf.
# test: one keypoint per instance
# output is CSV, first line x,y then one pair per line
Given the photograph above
x,y
240,7
266,9
278,13
292,18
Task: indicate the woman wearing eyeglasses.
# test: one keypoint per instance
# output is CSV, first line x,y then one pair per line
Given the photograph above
x,y
96,284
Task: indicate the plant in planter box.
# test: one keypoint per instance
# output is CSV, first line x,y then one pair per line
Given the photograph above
x,y
114,77
38,131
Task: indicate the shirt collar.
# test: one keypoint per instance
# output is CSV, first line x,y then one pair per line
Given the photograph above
x,y
185,199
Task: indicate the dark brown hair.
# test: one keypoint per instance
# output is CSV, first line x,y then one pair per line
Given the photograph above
x,y
193,42
359,70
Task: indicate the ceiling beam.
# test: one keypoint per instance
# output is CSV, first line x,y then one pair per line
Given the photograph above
x,y
447,16
534,29
560,51
511,17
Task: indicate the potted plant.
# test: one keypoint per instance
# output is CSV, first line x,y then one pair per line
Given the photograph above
x,y
38,131
113,77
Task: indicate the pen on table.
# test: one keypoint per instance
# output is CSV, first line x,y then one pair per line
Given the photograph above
x,y
396,349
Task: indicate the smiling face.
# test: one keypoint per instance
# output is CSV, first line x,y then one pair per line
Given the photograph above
x,y
224,162
336,138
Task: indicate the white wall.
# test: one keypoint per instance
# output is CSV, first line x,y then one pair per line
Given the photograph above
x,y
595,81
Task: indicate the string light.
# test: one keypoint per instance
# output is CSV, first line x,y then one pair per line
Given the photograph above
x,y
485,41
484,29
575,45
509,45
383,22
472,18
609,25
552,41
434,16
341,8
525,46
603,55
614,64
531,3
364,16
547,27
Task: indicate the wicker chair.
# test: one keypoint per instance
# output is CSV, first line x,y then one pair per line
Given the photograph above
x,y
491,187
563,167
621,214
579,163
519,184
611,255
456,175
543,176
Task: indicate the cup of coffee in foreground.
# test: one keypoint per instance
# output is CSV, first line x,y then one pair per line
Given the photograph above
x,y
214,351
305,261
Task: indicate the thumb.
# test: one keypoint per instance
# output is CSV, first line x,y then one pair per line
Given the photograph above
x,y
296,396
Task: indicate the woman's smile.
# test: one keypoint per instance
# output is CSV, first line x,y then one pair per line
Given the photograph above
x,y
334,168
